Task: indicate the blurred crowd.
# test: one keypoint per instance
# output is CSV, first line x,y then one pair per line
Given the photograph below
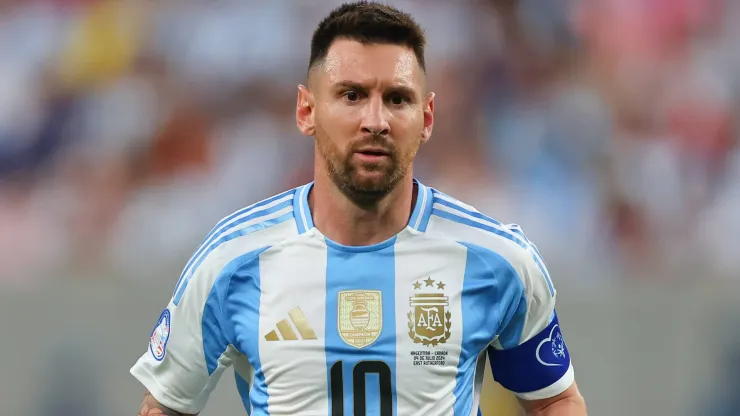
x,y
605,128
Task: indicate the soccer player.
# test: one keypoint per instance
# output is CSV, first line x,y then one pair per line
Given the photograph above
x,y
364,292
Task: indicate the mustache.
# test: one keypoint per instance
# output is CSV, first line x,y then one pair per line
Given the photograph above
x,y
374,141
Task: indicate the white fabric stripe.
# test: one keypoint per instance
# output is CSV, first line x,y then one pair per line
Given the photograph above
x,y
255,221
220,232
422,207
248,213
288,364
490,223
480,372
552,390
527,245
416,261
540,303
184,379
444,197
467,216
237,227
303,209
224,361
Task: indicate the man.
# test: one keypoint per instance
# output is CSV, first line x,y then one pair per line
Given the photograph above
x,y
365,291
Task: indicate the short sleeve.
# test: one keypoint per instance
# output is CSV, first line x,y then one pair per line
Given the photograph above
x,y
189,346
529,356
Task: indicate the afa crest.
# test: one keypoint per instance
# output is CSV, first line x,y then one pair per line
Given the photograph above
x,y
360,316
429,319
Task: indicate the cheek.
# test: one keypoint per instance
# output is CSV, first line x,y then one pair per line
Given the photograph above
x,y
409,127
338,123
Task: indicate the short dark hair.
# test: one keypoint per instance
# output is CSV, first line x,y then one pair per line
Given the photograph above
x,y
367,22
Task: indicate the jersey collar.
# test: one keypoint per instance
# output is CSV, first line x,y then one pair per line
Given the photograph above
x,y
419,216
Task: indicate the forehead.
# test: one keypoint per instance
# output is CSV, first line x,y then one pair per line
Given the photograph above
x,y
373,63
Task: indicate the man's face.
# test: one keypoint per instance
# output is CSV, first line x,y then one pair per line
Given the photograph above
x,y
369,116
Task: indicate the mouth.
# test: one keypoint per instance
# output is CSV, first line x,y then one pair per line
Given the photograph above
x,y
371,156
373,152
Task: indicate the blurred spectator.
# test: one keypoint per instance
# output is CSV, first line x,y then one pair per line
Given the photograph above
x,y
607,129
610,122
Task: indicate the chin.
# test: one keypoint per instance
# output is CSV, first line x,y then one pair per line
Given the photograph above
x,y
373,181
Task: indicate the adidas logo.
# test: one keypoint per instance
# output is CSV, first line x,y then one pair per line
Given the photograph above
x,y
286,331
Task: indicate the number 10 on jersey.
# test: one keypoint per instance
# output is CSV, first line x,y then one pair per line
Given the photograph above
x,y
359,372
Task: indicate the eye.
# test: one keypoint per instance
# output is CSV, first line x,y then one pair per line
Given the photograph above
x,y
351,96
398,99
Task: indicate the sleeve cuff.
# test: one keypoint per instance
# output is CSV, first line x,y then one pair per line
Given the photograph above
x,y
160,393
552,390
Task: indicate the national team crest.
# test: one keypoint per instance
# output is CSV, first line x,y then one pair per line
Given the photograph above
x,y
429,319
360,316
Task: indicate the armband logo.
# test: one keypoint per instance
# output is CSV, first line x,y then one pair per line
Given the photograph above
x,y
551,351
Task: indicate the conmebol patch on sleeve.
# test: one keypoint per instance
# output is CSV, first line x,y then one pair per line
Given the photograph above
x,y
160,336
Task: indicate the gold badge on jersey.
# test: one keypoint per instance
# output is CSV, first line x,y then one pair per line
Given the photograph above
x,y
429,319
360,316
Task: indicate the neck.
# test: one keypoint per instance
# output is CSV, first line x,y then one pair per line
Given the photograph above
x,y
341,220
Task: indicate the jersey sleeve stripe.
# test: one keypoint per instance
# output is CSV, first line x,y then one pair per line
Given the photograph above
x,y
512,233
479,218
235,219
460,218
514,228
445,200
255,222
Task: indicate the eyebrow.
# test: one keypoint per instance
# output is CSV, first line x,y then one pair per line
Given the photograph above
x,y
399,88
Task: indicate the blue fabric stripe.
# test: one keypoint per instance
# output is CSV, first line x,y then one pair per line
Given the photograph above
x,y
215,331
490,285
242,305
361,268
471,213
238,233
427,212
242,386
515,234
218,230
418,208
508,236
301,210
423,209
513,324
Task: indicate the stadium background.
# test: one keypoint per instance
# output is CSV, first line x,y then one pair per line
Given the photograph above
x,y
607,129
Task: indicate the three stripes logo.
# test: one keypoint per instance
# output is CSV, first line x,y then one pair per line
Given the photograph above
x,y
285,329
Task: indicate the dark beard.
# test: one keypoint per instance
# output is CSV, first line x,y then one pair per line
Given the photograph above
x,y
364,196
343,173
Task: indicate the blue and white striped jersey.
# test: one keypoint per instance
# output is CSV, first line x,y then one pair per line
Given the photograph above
x,y
404,327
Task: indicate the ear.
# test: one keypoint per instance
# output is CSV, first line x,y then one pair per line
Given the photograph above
x,y
426,132
304,114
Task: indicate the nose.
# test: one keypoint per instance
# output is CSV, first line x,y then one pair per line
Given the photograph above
x,y
375,119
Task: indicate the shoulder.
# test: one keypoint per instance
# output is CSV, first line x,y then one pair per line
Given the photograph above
x,y
263,223
456,220
487,237
241,236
